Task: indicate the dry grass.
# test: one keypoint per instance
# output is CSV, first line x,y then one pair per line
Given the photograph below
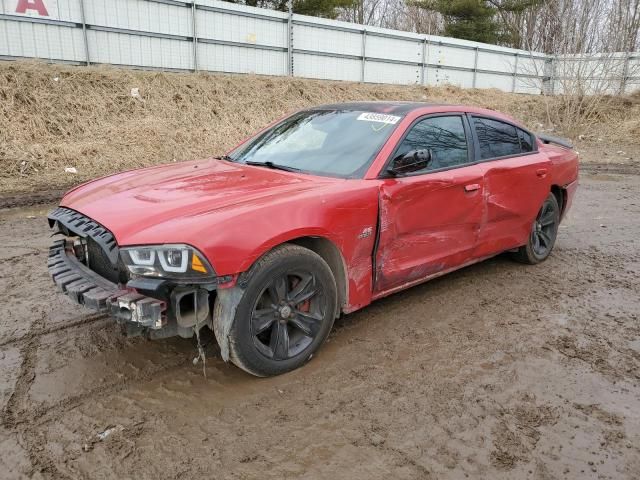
x,y
56,116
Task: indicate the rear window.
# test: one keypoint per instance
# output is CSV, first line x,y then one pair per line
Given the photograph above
x,y
497,139
526,141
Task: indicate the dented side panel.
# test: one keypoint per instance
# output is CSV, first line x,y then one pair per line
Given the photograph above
x,y
428,223
515,188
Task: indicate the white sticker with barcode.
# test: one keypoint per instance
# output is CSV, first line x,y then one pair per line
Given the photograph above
x,y
378,117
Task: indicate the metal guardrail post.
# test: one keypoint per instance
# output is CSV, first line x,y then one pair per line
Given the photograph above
x,y
290,39
625,73
364,54
194,35
423,66
515,75
475,68
84,33
551,76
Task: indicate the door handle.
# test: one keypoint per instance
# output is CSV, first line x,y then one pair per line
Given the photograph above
x,y
472,187
541,172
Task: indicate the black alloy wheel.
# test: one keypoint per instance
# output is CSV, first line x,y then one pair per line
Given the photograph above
x,y
288,315
544,231
286,311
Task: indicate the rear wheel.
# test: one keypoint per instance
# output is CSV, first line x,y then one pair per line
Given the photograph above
x,y
543,233
286,312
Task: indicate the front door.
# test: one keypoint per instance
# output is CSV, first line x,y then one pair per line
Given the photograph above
x,y
430,219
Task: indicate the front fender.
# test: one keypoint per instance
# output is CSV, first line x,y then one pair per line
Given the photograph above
x,y
346,215
285,237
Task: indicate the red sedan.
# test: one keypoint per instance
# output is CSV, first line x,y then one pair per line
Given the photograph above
x,y
317,215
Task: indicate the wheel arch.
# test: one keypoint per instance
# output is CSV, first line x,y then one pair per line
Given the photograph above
x,y
327,249
561,196
227,299
331,254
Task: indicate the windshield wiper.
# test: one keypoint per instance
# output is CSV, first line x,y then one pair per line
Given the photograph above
x,y
224,157
274,166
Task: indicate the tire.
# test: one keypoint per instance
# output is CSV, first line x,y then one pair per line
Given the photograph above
x,y
544,231
273,331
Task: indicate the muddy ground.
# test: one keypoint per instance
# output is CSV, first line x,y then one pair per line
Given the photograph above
x,y
497,371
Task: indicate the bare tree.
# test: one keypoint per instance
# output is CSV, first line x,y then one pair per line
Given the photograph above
x,y
395,14
622,29
586,67
591,25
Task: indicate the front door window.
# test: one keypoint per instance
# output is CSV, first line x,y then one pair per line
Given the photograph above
x,y
443,136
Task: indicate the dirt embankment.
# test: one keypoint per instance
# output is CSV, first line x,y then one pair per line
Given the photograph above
x,y
101,120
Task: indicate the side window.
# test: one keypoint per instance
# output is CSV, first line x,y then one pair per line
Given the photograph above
x,y
526,141
497,139
444,136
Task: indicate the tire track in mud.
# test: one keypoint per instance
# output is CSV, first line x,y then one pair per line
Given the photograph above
x,y
422,472
16,258
12,412
40,332
45,412
16,416
28,423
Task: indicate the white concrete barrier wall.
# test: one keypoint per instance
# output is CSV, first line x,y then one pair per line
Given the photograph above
x,y
217,36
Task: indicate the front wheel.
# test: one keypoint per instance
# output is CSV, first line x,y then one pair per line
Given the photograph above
x,y
286,311
543,233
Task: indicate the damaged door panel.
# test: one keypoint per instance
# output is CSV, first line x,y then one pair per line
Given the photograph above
x,y
509,187
517,180
428,223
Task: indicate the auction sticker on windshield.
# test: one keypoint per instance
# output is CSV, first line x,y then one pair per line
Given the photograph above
x,y
378,117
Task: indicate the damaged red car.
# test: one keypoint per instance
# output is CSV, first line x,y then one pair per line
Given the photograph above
x,y
315,216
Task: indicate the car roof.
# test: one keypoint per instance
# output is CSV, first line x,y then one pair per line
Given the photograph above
x,y
404,108
379,107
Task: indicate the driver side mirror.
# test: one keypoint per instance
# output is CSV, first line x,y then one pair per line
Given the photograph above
x,y
412,161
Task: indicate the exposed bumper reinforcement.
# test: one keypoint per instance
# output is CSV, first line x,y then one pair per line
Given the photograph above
x,y
86,287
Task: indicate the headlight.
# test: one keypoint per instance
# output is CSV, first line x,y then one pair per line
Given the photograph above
x,y
167,261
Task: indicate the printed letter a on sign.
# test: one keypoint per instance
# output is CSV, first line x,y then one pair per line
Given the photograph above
x,y
37,5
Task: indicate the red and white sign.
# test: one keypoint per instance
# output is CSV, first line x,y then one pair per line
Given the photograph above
x,y
33,8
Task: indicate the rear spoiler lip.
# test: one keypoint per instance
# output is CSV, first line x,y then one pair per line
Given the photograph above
x,y
563,142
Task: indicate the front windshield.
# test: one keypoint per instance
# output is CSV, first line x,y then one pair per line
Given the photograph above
x,y
334,143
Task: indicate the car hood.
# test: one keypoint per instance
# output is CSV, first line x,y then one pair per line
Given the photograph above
x,y
131,202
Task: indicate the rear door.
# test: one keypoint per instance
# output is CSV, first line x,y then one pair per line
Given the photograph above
x,y
430,219
516,181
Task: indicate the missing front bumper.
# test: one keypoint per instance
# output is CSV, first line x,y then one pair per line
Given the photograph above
x,y
93,291
143,311
186,308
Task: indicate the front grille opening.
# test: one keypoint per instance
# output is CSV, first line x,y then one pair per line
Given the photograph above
x,y
80,249
93,244
99,262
